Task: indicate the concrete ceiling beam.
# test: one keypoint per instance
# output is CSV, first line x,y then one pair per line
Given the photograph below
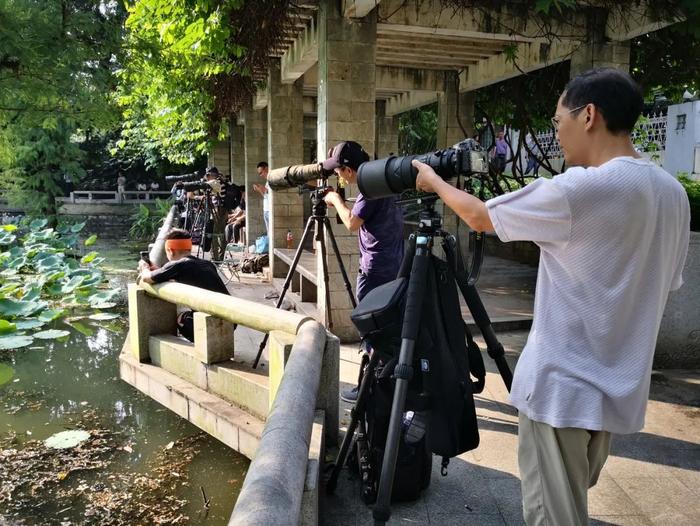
x,y
358,8
529,57
301,55
409,101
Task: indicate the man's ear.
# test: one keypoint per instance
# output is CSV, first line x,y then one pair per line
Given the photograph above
x,y
592,115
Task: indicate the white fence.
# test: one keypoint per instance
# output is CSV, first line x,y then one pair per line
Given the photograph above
x,y
649,135
102,196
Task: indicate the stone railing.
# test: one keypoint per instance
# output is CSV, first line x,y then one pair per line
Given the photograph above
x,y
106,196
299,409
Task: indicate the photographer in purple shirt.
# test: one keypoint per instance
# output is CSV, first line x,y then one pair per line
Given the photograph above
x,y
379,222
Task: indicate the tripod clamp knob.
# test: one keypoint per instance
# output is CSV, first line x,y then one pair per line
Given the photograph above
x,y
403,371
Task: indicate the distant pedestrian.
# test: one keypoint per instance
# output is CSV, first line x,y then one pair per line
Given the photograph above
x,y
121,183
500,153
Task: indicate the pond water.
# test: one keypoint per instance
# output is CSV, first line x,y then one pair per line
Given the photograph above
x,y
142,455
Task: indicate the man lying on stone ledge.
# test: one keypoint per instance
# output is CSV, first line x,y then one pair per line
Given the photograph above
x,y
185,268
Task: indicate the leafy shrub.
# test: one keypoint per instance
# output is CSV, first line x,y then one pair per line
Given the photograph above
x,y
146,221
693,189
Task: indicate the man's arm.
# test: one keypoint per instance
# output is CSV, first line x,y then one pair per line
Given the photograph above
x,y
351,222
470,209
145,271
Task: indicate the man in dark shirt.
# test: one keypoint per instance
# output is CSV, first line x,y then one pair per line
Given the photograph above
x,y
378,221
183,267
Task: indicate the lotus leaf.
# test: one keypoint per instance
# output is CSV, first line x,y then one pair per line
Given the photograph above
x,y
104,316
50,315
91,240
6,238
103,296
38,224
15,342
19,308
77,227
6,374
72,284
83,329
67,439
51,334
28,324
106,305
87,258
7,327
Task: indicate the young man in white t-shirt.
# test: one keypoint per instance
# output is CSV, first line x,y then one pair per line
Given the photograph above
x,y
613,233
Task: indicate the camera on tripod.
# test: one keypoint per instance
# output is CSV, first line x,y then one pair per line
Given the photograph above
x,y
297,175
394,175
193,182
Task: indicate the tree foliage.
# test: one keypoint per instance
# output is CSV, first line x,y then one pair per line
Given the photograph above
x,y
56,79
191,65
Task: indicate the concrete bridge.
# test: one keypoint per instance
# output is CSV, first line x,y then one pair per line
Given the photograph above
x,y
348,69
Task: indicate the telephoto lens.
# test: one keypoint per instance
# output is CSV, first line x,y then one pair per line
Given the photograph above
x,y
296,175
394,175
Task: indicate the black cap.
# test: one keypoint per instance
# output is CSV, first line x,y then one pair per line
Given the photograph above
x,y
347,153
213,170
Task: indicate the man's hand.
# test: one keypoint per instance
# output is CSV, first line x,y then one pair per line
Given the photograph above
x,y
333,198
427,180
143,265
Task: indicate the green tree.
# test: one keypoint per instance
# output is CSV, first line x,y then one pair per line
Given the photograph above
x,y
57,59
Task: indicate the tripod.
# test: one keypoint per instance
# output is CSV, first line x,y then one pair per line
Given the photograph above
x,y
418,260
320,220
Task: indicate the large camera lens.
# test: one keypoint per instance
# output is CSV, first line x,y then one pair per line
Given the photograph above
x,y
394,175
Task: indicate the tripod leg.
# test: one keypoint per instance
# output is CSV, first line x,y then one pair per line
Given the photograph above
x,y
403,373
326,280
357,412
334,244
476,307
287,282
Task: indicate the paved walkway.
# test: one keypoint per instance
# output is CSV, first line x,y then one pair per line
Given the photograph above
x,y
651,477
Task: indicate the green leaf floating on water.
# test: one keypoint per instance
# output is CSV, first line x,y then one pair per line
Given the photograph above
x,y
15,342
103,297
77,227
83,329
28,324
6,374
104,316
19,308
91,240
87,258
51,334
106,305
7,327
38,224
50,315
66,439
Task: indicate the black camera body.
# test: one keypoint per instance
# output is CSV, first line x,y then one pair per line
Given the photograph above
x,y
394,175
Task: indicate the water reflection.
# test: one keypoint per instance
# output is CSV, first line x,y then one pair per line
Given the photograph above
x,y
57,381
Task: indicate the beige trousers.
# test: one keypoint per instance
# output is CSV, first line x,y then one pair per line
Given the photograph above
x,y
557,466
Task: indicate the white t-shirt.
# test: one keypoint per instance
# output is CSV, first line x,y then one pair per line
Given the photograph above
x,y
613,241
266,198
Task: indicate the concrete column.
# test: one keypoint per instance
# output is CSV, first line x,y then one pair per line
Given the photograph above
x,y
451,105
220,156
346,111
237,153
255,151
600,55
285,131
387,132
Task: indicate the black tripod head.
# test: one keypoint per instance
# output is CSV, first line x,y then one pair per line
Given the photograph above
x,y
319,208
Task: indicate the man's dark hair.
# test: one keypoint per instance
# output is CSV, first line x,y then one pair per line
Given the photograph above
x,y
263,164
177,233
613,92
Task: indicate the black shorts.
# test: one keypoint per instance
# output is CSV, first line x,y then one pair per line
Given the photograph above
x,y
185,324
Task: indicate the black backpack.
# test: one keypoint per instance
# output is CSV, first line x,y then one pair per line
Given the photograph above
x,y
440,393
232,196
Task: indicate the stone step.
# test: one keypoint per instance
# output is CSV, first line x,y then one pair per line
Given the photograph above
x,y
233,380
232,425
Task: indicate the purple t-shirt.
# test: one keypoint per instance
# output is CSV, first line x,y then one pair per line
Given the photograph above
x,y
381,235
501,147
